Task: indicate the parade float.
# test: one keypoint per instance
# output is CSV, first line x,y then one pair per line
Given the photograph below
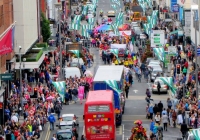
x,y
138,131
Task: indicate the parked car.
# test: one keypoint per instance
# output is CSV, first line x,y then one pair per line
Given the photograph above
x,y
65,134
163,88
111,14
69,117
155,71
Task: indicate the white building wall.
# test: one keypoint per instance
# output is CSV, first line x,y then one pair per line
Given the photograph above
x,y
26,30
195,6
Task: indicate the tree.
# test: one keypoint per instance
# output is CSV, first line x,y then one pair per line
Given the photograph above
x,y
46,32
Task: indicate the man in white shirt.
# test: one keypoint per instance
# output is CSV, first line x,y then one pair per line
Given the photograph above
x,y
14,118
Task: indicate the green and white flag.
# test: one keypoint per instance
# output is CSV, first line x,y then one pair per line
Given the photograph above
x,y
87,26
196,133
116,32
85,33
61,88
91,21
114,26
118,3
77,18
114,6
115,52
113,84
75,26
76,52
169,82
160,53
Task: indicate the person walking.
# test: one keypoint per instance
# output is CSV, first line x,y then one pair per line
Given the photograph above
x,y
169,103
130,79
51,120
160,107
158,87
58,109
165,121
127,90
174,117
54,137
157,118
150,111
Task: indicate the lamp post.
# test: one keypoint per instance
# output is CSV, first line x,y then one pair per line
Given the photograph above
x,y
58,6
20,76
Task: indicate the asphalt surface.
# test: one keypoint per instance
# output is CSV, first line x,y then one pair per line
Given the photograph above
x,y
135,104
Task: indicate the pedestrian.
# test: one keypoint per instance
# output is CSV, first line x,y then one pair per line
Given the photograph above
x,y
160,107
67,97
155,109
170,118
51,120
130,79
180,118
148,93
150,111
127,90
58,109
169,103
164,121
80,93
174,117
158,87
184,71
54,137
83,137
157,118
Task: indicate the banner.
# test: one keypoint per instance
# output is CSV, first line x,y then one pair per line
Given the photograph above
x,y
6,42
61,88
76,52
113,85
169,82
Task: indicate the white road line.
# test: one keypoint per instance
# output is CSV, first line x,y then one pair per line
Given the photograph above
x,y
122,132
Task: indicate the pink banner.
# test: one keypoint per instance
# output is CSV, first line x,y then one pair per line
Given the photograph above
x,y
6,43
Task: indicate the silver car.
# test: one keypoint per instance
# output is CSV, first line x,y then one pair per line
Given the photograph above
x,y
155,71
163,88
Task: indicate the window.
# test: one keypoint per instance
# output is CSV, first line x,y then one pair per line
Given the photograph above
x,y
1,15
99,108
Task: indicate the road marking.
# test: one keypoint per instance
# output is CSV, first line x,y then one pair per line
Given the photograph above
x,y
127,130
135,91
48,132
122,132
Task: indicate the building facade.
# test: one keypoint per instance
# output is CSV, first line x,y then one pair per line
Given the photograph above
x,y
26,29
6,19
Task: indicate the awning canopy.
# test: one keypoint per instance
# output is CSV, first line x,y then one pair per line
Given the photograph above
x,y
30,65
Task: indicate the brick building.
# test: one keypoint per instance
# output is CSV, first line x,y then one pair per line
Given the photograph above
x,y
6,19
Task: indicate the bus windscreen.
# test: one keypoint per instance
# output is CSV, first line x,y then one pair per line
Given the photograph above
x,y
98,108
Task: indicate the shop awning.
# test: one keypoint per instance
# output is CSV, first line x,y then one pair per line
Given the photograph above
x,y
30,65
179,32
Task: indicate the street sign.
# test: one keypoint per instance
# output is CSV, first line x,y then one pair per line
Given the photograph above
x,y
7,76
157,38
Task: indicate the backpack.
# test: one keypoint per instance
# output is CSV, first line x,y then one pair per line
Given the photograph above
x,y
57,109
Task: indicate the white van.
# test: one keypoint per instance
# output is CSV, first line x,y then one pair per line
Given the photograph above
x,y
72,71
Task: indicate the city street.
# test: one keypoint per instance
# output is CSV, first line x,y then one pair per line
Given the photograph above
x,y
135,108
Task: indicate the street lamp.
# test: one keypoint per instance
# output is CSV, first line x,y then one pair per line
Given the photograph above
x,y
58,6
20,72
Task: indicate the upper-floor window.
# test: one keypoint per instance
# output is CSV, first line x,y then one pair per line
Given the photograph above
x,y
1,15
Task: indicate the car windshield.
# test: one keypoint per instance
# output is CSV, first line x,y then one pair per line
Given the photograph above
x,y
68,118
156,71
156,82
64,136
65,127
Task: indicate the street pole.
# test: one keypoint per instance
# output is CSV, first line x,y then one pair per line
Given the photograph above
x,y
60,43
196,69
20,76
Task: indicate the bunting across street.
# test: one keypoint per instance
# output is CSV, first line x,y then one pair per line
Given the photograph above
x,y
91,21
61,88
87,26
85,33
77,18
113,84
159,52
169,82
76,52
75,26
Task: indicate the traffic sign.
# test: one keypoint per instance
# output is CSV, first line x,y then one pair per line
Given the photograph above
x,y
7,76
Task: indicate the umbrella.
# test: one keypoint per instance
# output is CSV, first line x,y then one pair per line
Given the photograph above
x,y
103,27
124,27
50,98
88,73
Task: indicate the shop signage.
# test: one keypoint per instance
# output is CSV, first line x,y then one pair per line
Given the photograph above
x,y
1,105
171,50
7,76
157,38
187,23
173,2
175,8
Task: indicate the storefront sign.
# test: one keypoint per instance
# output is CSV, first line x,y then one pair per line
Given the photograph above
x,y
175,8
171,50
1,105
187,23
173,2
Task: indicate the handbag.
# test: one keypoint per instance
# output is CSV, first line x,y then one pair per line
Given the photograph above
x,y
40,127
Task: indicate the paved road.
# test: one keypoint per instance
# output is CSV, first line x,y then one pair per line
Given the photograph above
x,y
135,104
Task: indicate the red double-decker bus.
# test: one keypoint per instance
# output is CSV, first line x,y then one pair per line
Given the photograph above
x,y
99,115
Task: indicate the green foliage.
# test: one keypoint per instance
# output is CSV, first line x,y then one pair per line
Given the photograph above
x,y
46,32
42,45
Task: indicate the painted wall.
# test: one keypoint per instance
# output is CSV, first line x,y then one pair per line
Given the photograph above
x,y
26,30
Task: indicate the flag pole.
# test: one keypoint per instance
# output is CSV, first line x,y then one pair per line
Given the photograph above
x,y
4,33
